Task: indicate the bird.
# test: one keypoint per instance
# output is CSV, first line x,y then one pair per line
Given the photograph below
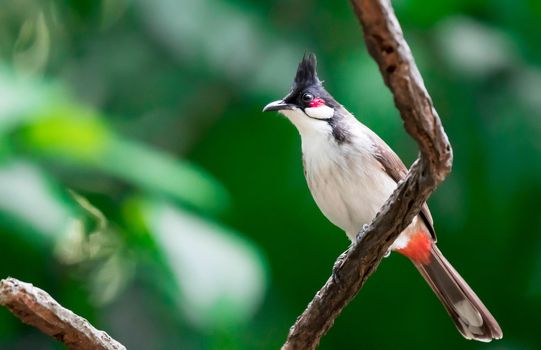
x,y
351,172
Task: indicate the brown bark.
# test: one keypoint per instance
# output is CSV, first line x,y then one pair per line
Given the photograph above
x,y
37,308
386,44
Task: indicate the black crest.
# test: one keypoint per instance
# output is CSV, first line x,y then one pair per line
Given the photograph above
x,y
306,72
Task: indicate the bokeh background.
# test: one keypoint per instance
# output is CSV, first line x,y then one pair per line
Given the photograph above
x,y
143,188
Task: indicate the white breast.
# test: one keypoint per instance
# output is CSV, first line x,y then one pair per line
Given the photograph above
x,y
346,181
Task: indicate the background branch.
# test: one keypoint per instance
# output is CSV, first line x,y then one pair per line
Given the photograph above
x,y
37,308
386,44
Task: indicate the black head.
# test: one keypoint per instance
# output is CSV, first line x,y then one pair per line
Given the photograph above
x,y
309,106
307,90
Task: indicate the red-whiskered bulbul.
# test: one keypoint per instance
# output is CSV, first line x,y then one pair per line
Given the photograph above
x,y
351,172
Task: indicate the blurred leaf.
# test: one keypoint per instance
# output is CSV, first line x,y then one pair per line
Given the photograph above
x,y
111,277
94,247
474,49
32,46
157,171
221,276
80,136
21,99
70,132
240,53
29,197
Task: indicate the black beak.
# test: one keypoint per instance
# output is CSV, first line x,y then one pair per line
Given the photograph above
x,y
277,106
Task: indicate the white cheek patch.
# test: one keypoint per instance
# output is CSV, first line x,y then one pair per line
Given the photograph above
x,y
321,112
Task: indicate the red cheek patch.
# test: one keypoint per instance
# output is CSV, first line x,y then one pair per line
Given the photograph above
x,y
316,102
418,248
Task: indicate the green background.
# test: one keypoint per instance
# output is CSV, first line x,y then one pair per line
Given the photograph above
x,y
142,187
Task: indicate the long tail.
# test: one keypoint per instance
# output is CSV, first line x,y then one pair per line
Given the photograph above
x,y
470,316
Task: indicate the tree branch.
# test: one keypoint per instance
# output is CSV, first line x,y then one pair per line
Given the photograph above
x,y
37,308
386,44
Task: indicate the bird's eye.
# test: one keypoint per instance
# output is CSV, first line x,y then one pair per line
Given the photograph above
x,y
307,97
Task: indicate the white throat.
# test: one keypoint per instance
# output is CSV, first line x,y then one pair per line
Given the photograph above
x,y
311,122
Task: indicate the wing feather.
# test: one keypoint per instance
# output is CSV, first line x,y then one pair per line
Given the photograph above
x,y
395,168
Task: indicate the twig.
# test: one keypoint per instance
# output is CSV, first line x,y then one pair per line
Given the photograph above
x,y
386,44
37,308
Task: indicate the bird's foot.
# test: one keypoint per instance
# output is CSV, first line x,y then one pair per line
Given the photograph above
x,y
336,268
336,273
362,233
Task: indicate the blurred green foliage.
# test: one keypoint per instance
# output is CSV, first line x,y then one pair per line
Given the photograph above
x,y
141,186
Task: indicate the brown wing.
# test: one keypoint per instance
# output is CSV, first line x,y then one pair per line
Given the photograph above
x,y
394,167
